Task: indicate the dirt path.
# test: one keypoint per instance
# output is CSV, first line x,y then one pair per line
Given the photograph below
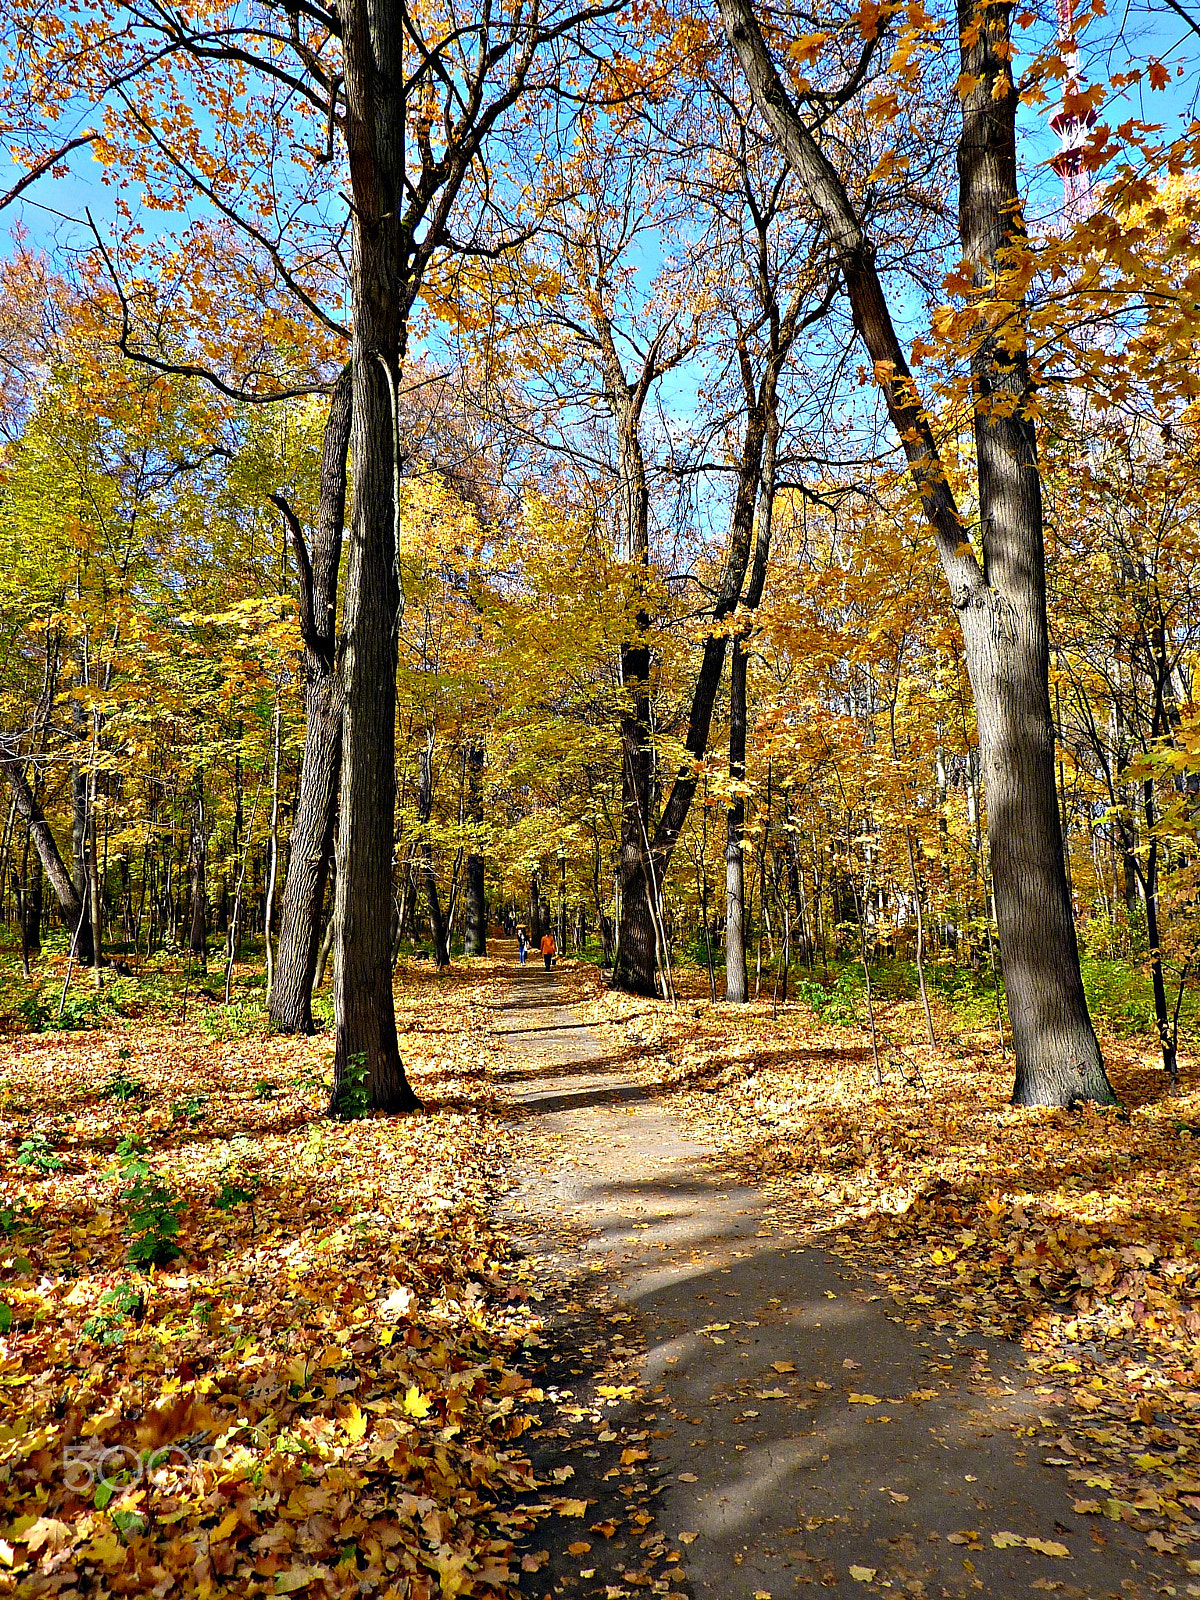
x,y
795,1428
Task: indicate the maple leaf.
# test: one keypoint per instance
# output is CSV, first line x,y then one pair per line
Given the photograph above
x,y
415,1403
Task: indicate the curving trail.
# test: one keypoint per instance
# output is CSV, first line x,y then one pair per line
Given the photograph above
x,y
752,1349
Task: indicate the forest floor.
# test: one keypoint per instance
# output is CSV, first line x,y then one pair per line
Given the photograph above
x,y
648,1300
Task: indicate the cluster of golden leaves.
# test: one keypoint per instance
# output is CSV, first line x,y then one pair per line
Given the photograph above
x,y
321,1391
1075,1233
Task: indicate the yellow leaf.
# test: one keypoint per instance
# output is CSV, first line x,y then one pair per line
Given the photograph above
x,y
1047,1547
296,1578
355,1423
224,1528
415,1402
863,1574
864,1399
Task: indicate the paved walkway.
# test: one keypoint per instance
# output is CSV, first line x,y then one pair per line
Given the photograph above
x,y
798,1431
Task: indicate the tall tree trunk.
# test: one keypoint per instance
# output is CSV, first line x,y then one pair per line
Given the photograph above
x,y
765,418
315,820
635,963
735,826
437,923
272,843
757,461
475,923
198,931
93,867
364,1006
1005,627
1001,600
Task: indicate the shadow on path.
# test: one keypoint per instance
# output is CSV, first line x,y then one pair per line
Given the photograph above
x,y
788,1421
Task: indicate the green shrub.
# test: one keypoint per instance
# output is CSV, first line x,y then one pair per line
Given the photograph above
x,y
36,1152
152,1212
190,1110
34,1011
354,1096
233,1193
837,1002
108,1324
121,1087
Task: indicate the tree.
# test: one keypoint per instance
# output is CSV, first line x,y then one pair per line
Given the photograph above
x,y
315,823
1000,599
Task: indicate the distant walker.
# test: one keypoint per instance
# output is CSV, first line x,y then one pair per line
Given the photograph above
x,y
549,948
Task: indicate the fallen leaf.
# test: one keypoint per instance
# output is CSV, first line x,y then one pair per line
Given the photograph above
x,y
1047,1547
863,1574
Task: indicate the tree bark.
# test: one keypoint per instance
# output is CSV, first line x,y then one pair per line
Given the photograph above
x,y
437,923
735,826
1005,628
475,922
1001,604
364,1007
315,822
198,932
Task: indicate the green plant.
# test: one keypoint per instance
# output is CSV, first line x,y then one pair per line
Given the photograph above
x,y
839,1002
129,1523
117,1306
232,1193
154,1214
264,1089
354,1093
38,1153
6,1317
190,1110
34,1011
122,1088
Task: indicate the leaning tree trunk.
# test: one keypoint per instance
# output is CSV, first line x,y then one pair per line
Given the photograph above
x,y
1001,601
1006,636
70,903
364,1006
475,922
315,822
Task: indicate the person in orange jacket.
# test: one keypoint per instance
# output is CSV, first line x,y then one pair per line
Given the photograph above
x,y
549,949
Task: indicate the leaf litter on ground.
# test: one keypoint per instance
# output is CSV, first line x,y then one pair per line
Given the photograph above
x,y
322,1391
